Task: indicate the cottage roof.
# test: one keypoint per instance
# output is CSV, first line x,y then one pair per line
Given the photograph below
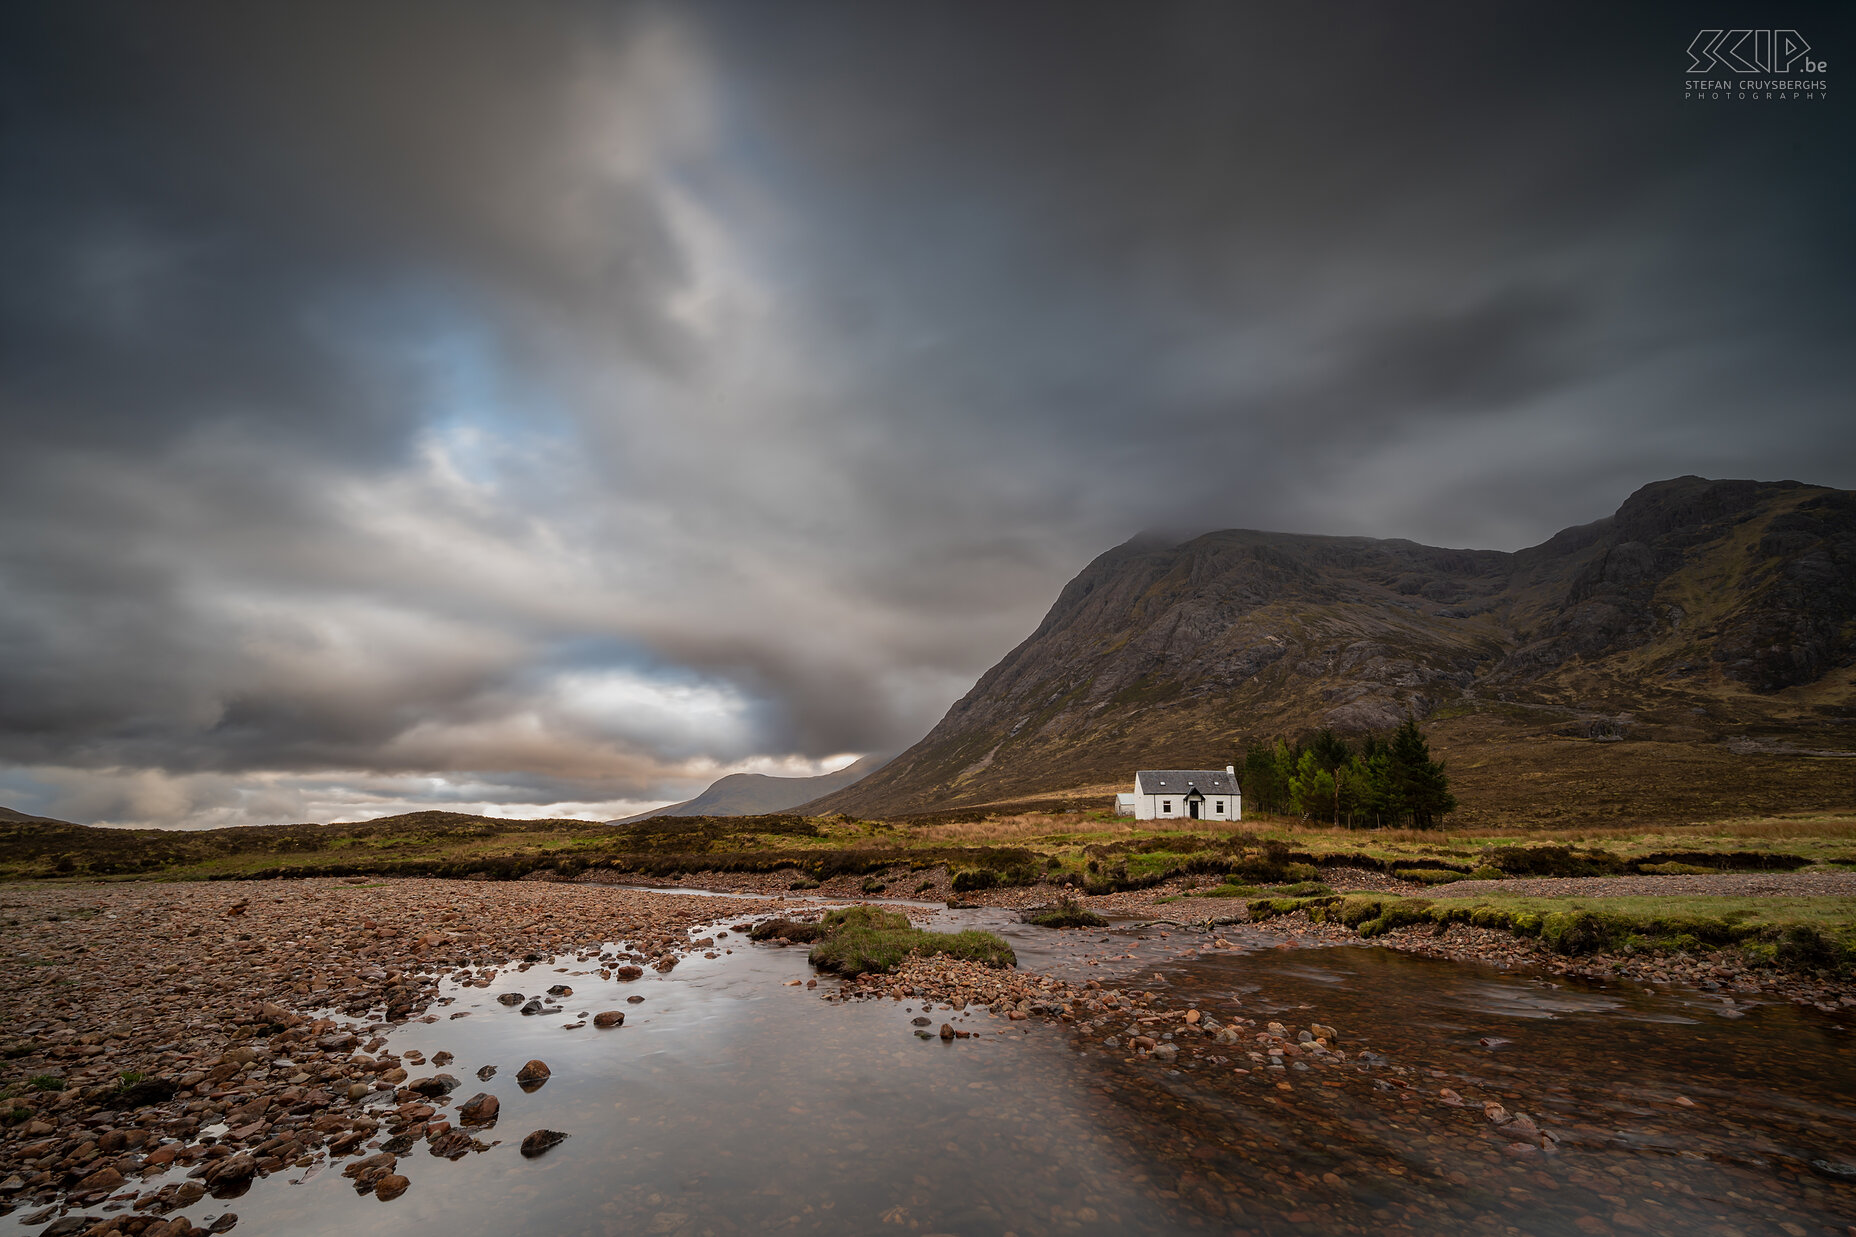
x,y
1179,781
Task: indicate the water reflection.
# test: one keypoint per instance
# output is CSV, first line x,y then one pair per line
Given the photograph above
x,y
730,1102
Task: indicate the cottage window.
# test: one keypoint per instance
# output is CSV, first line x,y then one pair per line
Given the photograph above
x,y
1220,806
1166,805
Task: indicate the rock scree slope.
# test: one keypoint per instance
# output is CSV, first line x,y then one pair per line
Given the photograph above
x,y
1689,656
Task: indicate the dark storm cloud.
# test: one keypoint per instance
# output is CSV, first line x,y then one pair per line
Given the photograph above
x,y
554,406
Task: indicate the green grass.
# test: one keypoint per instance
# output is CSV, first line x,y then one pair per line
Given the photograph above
x,y
858,940
1088,849
1797,933
1430,876
1761,912
1300,889
874,918
859,951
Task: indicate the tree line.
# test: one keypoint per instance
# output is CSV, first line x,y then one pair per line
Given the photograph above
x,y
1379,782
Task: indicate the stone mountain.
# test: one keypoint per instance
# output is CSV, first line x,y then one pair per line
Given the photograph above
x,y
1688,657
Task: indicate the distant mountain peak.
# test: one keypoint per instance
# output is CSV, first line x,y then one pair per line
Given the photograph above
x,y
753,794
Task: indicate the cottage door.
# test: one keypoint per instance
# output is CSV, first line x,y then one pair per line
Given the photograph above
x,y
1192,808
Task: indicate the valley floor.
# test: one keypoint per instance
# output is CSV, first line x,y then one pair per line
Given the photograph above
x,y
167,1040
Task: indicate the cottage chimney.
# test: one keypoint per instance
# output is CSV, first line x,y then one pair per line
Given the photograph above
x,y
1230,771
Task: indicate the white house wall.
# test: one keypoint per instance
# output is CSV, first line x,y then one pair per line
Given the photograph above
x,y
1147,807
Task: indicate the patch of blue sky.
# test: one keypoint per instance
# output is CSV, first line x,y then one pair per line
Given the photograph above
x,y
24,792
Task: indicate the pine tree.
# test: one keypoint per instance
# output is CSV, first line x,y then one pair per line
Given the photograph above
x,y
1314,786
1263,792
1332,755
1286,758
1417,782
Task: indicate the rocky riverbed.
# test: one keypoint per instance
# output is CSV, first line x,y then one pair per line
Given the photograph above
x,y
171,1046
231,1030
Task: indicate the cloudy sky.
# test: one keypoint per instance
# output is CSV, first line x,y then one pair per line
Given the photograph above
x,y
546,408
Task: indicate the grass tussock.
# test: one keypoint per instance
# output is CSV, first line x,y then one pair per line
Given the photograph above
x,y
1430,876
1300,889
859,940
1064,913
861,951
798,931
1791,933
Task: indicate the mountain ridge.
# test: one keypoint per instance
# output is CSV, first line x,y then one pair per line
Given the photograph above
x,y
1697,611
754,794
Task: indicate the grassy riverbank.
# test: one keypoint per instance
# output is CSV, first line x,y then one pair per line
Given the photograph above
x,y
1791,932
1091,848
1272,865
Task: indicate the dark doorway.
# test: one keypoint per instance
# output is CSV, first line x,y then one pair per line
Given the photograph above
x,y
1192,807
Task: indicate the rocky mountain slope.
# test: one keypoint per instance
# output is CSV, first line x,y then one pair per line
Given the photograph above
x,y
755,794
1689,656
10,817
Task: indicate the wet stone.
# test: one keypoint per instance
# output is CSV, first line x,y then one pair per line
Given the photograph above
x,y
540,1141
437,1084
479,1109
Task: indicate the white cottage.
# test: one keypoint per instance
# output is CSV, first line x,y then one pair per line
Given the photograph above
x,y
1194,794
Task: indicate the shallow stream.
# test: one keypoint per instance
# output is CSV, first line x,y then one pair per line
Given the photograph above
x,y
732,1102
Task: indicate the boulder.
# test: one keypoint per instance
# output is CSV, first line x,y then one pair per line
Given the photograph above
x,y
540,1141
609,1018
451,1144
479,1109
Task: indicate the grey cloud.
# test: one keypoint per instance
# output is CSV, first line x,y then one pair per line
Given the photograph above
x,y
560,404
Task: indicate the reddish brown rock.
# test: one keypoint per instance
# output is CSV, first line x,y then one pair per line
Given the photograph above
x,y
479,1109
105,1178
540,1141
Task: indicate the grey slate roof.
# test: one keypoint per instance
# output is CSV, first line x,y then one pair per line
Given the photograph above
x,y
1178,781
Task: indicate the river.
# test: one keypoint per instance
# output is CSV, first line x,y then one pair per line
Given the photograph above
x,y
732,1102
